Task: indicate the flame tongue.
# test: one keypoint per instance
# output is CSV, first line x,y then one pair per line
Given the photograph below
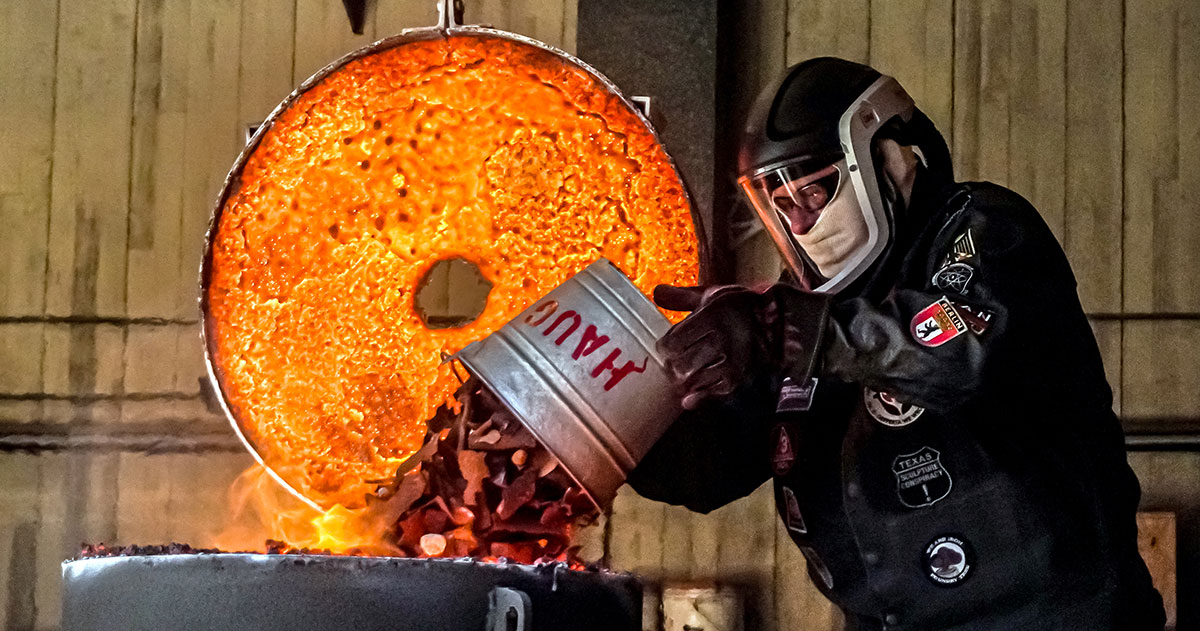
x,y
482,486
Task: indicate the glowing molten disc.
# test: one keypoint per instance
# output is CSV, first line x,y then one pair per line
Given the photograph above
x,y
474,146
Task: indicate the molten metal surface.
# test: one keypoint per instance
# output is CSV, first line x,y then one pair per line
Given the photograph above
x,y
473,146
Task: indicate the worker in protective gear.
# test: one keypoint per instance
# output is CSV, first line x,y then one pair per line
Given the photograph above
x,y
922,386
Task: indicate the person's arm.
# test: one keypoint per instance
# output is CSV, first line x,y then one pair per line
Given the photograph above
x,y
712,455
1017,277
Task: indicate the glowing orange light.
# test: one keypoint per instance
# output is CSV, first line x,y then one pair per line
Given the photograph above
x,y
477,147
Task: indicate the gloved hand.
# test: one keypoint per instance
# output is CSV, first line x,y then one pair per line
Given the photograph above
x,y
735,334
713,350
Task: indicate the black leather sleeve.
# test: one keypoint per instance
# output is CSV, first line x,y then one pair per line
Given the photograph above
x,y
1018,274
712,455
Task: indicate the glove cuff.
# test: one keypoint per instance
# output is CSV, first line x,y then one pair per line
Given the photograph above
x,y
797,321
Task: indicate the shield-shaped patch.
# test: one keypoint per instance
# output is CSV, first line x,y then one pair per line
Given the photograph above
x,y
937,324
783,452
921,480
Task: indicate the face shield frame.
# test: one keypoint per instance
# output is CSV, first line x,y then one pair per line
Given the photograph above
x,y
882,101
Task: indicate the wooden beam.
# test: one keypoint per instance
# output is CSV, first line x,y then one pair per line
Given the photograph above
x,y
212,130
1094,178
27,70
90,194
321,36
1162,155
635,527
799,606
393,16
1160,369
159,124
913,41
1157,545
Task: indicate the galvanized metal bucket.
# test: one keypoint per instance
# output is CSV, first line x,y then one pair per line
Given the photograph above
x,y
580,370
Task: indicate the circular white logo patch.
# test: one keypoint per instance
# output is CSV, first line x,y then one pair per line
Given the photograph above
x,y
887,410
954,277
948,560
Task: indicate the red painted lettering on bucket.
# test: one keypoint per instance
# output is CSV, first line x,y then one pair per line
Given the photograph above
x,y
591,341
546,309
610,363
570,329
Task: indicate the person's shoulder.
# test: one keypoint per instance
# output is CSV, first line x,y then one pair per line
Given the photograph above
x,y
997,215
995,202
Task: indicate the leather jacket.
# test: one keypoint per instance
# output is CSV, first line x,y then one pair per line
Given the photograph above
x,y
957,463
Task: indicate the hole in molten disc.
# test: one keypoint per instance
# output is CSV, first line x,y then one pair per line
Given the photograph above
x,y
452,294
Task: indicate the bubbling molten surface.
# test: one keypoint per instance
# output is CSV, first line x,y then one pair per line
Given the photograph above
x,y
471,146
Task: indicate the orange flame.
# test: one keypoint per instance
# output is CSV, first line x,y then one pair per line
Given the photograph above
x,y
264,513
262,510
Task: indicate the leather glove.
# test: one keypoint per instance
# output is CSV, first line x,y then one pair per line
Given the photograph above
x,y
735,334
713,350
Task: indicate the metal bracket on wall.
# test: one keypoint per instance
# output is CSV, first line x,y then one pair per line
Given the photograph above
x,y
356,10
251,129
643,104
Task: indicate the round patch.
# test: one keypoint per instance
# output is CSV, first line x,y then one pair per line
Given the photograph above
x,y
954,277
887,410
783,453
948,560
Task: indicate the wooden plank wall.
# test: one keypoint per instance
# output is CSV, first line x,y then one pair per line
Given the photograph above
x,y
125,115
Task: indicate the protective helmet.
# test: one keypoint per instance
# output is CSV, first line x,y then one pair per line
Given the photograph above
x,y
808,140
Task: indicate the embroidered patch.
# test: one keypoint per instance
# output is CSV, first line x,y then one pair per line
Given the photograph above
x,y
954,277
948,560
962,250
794,398
978,320
889,411
791,513
921,480
937,324
783,454
817,567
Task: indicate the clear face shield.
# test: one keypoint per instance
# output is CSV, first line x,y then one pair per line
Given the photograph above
x,y
797,196
791,200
